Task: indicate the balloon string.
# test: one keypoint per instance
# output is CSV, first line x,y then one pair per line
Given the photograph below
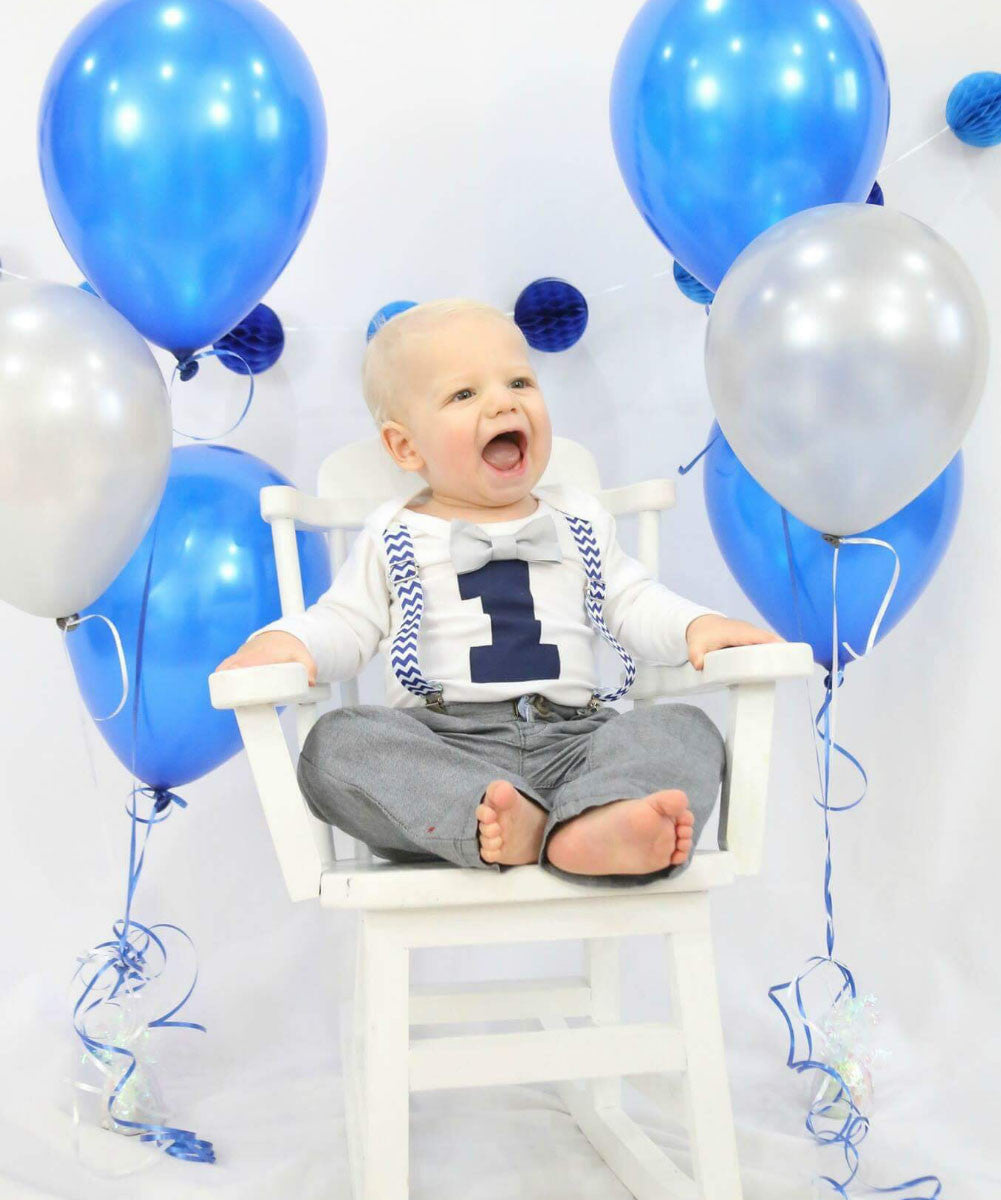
x,y
69,623
126,959
869,541
214,353
855,1124
913,150
705,450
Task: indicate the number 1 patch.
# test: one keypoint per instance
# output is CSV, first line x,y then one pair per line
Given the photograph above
x,y
516,651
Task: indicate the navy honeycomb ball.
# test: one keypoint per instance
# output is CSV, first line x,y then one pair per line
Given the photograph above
x,y
876,195
385,313
692,287
974,109
259,340
551,313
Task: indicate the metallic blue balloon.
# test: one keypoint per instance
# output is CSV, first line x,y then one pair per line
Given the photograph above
x,y
748,527
213,582
385,313
729,115
182,147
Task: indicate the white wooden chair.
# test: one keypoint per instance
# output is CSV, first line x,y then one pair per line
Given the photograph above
x,y
405,907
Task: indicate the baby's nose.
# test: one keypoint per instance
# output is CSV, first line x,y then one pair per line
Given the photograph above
x,y
502,400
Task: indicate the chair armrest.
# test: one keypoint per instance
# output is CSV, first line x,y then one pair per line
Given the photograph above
x,y
282,502
764,663
276,683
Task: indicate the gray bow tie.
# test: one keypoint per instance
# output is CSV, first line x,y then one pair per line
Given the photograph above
x,y
471,547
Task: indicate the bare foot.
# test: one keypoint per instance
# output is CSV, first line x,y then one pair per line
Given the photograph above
x,y
510,825
625,837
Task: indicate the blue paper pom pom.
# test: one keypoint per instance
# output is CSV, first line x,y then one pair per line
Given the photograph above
x,y
551,313
876,195
691,286
259,340
974,109
385,313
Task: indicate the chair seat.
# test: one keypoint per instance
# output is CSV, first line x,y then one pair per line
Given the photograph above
x,y
360,884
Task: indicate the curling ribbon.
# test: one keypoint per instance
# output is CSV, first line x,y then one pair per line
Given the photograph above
x,y
855,1125
189,367
125,964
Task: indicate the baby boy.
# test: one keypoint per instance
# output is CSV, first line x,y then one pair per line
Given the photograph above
x,y
490,595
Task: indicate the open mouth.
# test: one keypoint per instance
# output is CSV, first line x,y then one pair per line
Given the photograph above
x,y
506,452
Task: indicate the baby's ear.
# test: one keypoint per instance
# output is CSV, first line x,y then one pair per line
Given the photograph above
x,y
396,439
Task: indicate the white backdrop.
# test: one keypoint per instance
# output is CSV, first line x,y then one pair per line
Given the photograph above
x,y
469,154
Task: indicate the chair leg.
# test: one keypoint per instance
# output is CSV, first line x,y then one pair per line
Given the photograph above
x,y
603,969
383,1095
707,1090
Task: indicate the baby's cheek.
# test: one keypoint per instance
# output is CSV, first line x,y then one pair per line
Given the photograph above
x,y
459,451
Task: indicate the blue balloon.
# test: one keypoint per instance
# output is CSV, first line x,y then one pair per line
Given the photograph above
x,y
748,527
213,582
182,147
729,115
392,309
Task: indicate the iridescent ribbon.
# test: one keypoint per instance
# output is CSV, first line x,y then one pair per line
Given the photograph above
x,y
122,963
185,369
855,1125
122,966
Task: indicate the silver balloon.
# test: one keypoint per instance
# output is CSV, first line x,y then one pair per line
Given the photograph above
x,y
85,436
846,353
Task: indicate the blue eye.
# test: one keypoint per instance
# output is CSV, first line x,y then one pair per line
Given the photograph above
x,y
523,381
461,393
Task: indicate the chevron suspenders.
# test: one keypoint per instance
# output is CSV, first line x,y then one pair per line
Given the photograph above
x,y
587,545
403,574
406,581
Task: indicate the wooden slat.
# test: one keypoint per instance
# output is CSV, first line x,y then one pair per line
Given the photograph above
x,y
499,1000
379,884
644,1169
481,1060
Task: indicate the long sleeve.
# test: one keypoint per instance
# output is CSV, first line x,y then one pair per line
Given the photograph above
x,y
646,617
343,629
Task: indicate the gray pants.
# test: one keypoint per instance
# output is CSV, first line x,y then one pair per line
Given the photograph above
x,y
407,781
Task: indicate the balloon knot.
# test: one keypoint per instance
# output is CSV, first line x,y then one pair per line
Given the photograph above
x,y
188,369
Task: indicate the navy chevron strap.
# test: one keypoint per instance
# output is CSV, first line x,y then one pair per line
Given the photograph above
x,y
406,580
587,544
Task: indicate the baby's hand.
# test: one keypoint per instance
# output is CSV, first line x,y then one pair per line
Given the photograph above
x,y
271,647
710,632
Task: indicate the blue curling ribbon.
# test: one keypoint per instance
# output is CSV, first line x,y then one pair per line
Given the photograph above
x,y
705,450
855,1125
126,962
188,367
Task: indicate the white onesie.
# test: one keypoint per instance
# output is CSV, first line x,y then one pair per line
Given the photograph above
x,y
506,629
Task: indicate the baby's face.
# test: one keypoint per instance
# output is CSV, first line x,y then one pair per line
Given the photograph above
x,y
471,418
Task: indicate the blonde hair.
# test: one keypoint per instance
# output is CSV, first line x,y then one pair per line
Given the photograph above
x,y
384,354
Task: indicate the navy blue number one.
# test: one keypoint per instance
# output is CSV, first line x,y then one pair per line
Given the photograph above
x,y
517,650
